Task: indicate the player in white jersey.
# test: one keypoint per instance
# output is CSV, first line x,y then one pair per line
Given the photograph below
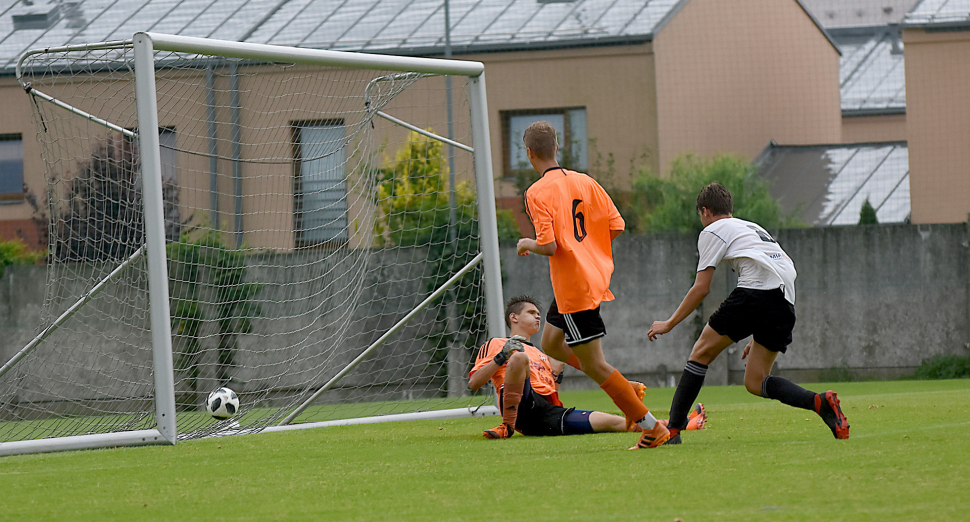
x,y
762,306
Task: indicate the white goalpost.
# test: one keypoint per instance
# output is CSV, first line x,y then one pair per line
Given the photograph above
x,y
276,220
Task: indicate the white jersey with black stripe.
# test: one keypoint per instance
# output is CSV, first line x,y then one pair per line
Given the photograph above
x,y
760,262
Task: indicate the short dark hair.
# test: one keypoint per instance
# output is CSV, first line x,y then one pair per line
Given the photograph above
x,y
541,138
515,306
715,198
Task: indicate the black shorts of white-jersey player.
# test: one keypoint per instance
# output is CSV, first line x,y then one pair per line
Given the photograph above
x,y
762,306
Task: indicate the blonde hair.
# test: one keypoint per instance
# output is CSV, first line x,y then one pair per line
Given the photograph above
x,y
540,137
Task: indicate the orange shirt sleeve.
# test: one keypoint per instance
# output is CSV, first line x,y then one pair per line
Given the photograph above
x,y
542,219
485,354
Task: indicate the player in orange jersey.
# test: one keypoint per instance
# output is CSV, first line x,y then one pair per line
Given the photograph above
x,y
575,222
527,380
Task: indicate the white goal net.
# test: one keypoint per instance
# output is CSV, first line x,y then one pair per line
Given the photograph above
x,y
328,249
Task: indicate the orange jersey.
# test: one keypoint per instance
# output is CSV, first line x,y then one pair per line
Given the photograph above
x,y
540,371
572,210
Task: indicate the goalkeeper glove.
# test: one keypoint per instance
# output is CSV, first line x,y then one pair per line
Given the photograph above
x,y
514,344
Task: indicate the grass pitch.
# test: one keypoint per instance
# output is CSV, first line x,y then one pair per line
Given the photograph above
x,y
908,458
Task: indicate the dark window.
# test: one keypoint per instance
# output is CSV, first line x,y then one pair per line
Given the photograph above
x,y
320,185
11,168
570,125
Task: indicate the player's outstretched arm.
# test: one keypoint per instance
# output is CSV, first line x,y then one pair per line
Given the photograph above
x,y
527,245
695,296
482,376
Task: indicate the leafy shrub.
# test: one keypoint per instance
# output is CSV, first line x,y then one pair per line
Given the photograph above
x,y
944,367
198,263
656,204
15,252
414,209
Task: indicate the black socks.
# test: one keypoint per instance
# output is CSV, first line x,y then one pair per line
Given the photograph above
x,y
787,392
690,386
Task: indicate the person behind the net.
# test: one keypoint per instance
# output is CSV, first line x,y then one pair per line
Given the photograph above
x,y
528,380
762,306
575,222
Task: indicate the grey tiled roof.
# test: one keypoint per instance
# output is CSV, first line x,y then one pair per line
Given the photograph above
x,y
828,184
939,13
872,72
399,26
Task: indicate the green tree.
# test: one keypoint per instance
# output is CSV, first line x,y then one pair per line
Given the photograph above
x,y
414,210
670,204
867,216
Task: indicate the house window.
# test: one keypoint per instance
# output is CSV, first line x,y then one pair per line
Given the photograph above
x,y
570,125
320,186
11,168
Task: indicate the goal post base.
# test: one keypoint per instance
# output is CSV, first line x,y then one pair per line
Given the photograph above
x,y
81,442
457,413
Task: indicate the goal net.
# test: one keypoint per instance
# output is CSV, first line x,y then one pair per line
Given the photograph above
x,y
314,230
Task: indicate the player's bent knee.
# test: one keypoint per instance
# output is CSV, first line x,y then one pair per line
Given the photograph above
x,y
518,358
703,353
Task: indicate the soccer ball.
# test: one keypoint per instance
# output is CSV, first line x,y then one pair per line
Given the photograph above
x,y
222,403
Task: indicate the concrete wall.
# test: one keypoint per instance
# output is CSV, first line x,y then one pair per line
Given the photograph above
x,y
873,302
316,316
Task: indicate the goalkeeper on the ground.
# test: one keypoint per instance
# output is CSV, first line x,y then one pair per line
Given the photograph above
x,y
528,383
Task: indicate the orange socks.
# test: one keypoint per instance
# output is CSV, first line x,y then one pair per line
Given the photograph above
x,y
620,390
510,402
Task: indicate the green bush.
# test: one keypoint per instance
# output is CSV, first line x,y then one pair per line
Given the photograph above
x,y
656,204
943,367
201,260
15,252
838,374
414,209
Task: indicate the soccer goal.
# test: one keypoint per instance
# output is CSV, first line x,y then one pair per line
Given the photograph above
x,y
314,229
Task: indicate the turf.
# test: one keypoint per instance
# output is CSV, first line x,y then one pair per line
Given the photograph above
x,y
908,459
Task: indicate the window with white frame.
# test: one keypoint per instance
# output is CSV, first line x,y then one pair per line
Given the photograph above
x,y
11,168
570,125
320,186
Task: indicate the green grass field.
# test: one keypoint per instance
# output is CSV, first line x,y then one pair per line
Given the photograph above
x,y
908,458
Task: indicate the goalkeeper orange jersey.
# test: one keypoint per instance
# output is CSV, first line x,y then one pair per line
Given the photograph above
x,y
573,210
540,371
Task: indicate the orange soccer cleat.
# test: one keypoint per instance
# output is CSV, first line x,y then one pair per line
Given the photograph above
x,y
653,438
640,389
827,407
697,418
502,431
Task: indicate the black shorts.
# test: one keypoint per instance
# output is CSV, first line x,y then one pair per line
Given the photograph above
x,y
538,417
579,327
765,314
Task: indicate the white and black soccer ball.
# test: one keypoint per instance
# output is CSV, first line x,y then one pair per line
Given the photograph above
x,y
222,403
